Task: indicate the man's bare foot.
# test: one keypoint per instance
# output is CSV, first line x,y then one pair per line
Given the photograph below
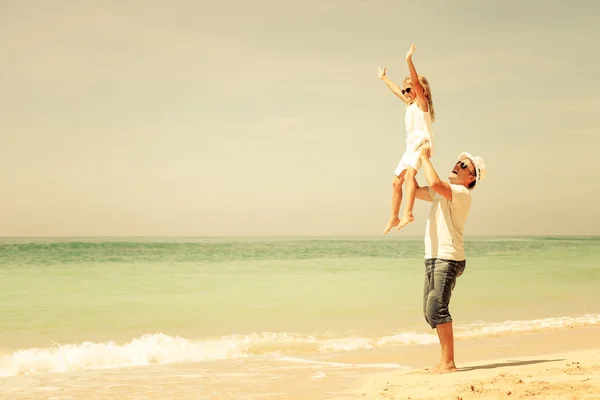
x,y
443,368
432,370
406,219
391,223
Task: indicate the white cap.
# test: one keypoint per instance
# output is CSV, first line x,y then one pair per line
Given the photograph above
x,y
480,168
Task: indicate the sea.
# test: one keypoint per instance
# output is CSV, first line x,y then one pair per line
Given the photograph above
x,y
223,317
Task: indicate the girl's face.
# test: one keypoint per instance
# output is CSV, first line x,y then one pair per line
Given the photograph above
x,y
408,91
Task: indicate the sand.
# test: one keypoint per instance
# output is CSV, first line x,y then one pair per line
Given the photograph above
x,y
574,375
545,375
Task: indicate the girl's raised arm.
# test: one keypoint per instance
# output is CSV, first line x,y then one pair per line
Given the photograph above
x,y
393,87
414,79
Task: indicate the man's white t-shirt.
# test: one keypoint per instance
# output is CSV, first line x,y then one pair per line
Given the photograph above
x,y
446,223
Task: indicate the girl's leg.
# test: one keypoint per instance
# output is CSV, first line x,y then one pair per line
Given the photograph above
x,y
411,189
396,200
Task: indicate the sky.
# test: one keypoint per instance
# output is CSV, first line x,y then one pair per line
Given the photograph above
x,y
266,118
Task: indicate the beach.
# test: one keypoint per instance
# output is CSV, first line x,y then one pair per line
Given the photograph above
x,y
198,200
292,318
552,365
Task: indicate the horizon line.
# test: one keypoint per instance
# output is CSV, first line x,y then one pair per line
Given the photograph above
x,y
286,236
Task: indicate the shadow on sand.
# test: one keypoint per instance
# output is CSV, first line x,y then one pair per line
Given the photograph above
x,y
506,364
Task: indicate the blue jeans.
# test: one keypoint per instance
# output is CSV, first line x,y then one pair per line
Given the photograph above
x,y
440,279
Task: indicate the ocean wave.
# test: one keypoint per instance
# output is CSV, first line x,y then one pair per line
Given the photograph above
x,y
164,349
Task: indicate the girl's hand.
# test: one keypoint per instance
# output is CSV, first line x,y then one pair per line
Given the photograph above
x,y
381,72
411,51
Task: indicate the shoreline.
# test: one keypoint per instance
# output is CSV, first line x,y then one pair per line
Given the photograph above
x,y
568,360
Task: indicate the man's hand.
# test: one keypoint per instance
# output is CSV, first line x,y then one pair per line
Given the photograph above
x,y
440,187
381,72
425,150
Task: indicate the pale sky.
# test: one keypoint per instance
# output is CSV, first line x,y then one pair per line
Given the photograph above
x,y
264,117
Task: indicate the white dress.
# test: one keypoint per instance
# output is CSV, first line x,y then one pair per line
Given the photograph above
x,y
418,131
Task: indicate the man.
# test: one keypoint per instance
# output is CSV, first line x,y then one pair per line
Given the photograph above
x,y
444,252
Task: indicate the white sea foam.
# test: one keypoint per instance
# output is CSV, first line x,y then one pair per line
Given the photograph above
x,y
164,349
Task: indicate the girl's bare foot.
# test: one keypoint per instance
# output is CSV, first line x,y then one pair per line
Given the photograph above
x,y
443,368
391,223
406,219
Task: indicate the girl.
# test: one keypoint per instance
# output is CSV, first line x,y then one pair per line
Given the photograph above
x,y
419,118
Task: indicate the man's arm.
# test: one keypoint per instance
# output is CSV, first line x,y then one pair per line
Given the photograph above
x,y
422,192
439,186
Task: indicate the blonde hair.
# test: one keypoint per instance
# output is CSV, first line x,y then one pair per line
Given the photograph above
x,y
425,84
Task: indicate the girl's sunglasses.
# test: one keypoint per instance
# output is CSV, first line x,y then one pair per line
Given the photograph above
x,y
405,91
463,165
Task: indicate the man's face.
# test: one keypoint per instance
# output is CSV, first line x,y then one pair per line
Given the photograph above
x,y
463,172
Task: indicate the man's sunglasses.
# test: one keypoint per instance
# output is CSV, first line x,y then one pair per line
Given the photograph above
x,y
406,91
464,165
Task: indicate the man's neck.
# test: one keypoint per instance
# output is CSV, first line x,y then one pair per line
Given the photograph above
x,y
460,183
